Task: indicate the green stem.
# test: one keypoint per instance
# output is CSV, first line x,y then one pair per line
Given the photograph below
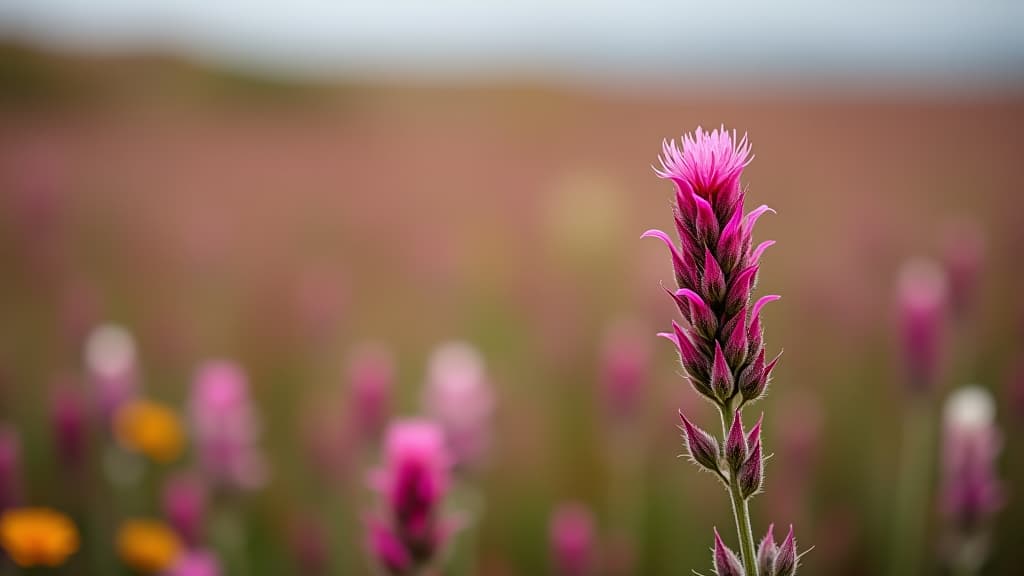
x,y
914,490
740,511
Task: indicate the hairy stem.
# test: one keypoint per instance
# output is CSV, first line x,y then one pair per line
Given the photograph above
x,y
740,510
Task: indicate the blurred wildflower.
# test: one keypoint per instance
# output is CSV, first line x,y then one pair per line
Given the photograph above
x,y
68,422
460,397
111,364
37,536
721,343
151,429
149,546
963,256
226,427
922,302
184,502
371,376
971,491
572,540
196,563
625,367
10,468
413,481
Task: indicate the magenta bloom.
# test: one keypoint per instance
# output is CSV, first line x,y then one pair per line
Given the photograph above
x,y
922,302
226,426
460,398
110,361
10,468
971,491
413,482
184,504
572,540
69,425
371,376
625,368
196,563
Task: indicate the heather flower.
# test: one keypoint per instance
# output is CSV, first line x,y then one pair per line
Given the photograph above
x,y
572,540
371,377
226,427
110,361
922,307
460,398
971,490
184,501
37,536
413,481
625,368
720,340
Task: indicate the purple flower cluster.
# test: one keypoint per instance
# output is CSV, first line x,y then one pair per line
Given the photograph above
x,y
720,342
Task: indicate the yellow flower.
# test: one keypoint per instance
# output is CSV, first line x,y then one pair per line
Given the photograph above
x,y
37,536
150,428
148,546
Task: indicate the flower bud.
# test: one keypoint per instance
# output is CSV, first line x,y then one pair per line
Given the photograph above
x,y
725,560
702,447
787,560
751,474
735,444
766,553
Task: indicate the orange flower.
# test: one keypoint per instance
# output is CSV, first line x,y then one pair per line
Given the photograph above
x,y
150,428
37,536
148,546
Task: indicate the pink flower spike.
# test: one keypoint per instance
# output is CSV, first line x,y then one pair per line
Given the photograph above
x,y
725,560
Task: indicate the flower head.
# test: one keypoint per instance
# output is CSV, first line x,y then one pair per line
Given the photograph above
x,y
708,163
971,491
37,536
226,426
572,540
110,360
460,397
151,429
148,546
922,301
413,482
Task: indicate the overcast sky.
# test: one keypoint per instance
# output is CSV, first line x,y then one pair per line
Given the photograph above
x,y
947,42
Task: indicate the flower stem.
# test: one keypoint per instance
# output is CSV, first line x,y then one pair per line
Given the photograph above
x,y
914,489
740,510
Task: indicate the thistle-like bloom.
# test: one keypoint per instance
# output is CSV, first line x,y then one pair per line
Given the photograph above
x,y
37,536
971,490
720,341
572,540
110,361
226,426
413,482
922,307
371,376
184,505
460,398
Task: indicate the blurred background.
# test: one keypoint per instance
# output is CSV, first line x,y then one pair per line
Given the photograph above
x,y
280,184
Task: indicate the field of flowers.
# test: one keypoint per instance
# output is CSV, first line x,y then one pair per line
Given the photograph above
x,y
255,327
